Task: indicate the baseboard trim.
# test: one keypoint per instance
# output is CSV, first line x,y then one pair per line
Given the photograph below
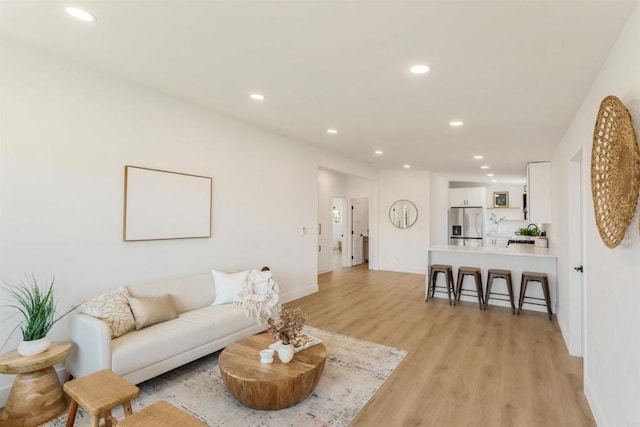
x,y
307,290
403,269
593,402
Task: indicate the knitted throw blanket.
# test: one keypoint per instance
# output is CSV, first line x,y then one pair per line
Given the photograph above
x,y
259,295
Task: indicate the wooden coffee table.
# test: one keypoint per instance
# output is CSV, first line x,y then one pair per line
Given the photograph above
x,y
274,385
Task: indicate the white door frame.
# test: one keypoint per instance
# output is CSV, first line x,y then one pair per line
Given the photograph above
x,y
577,280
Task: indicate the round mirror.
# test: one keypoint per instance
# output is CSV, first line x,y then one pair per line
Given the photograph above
x,y
403,214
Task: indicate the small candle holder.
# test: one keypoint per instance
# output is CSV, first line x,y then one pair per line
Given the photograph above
x,y
266,356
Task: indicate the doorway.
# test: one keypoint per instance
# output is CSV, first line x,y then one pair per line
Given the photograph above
x,y
577,279
359,231
339,225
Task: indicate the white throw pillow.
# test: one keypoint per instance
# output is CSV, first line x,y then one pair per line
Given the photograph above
x,y
228,286
112,308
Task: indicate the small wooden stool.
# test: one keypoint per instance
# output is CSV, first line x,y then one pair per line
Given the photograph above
x,y
161,414
448,279
527,277
494,273
98,393
477,277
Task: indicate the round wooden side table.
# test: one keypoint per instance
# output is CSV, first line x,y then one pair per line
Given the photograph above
x,y
36,396
269,386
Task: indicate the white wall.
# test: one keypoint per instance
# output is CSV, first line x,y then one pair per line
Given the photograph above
x,y
404,249
612,347
67,133
438,210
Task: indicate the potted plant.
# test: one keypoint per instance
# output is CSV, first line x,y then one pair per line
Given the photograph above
x,y
286,328
37,306
531,231
494,219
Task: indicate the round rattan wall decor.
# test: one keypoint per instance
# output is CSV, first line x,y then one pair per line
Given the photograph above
x,y
615,171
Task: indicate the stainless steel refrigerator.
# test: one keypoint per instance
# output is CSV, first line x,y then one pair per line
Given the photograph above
x,y
466,226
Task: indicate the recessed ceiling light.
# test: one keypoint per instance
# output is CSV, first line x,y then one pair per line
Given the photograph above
x,y
484,167
257,97
406,166
456,123
494,180
489,174
478,157
419,69
378,152
332,131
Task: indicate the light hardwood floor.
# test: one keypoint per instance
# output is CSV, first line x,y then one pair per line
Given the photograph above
x,y
465,367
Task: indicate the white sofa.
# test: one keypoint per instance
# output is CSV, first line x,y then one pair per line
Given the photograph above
x,y
199,329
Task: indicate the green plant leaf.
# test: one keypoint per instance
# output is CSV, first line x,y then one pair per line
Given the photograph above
x,y
37,307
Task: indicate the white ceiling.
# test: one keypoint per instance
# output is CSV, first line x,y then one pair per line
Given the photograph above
x,y
514,71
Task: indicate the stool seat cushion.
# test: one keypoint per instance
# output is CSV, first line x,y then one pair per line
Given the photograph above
x,y
496,271
440,267
533,274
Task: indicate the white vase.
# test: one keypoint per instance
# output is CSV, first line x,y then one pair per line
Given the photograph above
x,y
29,348
285,353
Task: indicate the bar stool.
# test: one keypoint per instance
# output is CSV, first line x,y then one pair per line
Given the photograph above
x,y
528,276
494,273
475,273
448,279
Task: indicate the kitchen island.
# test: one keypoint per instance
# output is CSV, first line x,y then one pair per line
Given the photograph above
x,y
516,259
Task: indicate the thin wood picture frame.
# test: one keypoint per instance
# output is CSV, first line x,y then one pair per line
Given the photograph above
x,y
500,199
166,205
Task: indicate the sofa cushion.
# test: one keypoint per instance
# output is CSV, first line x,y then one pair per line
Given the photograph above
x,y
112,308
188,293
228,285
139,349
152,310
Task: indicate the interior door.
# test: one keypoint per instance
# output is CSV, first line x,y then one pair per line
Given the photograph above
x,y
577,289
359,227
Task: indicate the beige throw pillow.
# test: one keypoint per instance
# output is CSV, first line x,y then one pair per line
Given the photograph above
x,y
112,308
149,311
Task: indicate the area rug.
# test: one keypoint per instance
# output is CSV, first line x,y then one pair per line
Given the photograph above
x,y
354,371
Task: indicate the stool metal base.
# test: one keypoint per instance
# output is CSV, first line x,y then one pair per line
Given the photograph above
x,y
477,277
541,278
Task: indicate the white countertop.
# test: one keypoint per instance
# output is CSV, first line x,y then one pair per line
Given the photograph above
x,y
527,251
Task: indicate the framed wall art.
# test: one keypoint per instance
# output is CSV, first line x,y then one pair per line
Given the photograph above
x,y
162,205
501,199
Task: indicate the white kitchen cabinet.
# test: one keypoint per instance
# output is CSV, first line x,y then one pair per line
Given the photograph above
x,y
539,192
471,196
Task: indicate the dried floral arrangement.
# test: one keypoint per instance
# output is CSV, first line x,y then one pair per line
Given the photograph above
x,y
287,326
